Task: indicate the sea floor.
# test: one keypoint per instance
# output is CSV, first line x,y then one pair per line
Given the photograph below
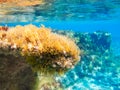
x,y
104,77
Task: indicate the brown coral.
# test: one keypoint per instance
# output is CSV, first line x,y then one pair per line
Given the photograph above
x,y
44,50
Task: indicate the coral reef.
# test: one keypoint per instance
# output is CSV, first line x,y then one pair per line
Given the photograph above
x,y
95,49
97,62
45,51
98,41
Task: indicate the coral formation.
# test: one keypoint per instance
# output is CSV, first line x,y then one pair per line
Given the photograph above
x,y
95,49
45,51
16,73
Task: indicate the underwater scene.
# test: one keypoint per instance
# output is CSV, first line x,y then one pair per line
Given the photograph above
x,y
59,44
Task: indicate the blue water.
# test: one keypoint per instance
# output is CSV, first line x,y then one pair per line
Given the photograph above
x,y
64,10
112,26
79,16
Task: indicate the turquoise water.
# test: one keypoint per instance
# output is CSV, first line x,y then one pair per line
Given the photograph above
x,y
63,10
79,16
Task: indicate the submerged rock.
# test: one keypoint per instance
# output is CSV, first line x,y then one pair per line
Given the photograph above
x,y
96,62
16,72
97,41
45,52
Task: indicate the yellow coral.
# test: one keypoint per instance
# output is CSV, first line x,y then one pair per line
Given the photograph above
x,y
44,50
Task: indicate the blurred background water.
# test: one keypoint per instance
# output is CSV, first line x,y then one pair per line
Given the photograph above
x,y
79,16
63,10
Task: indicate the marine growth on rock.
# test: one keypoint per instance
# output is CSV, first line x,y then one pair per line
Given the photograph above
x,y
45,51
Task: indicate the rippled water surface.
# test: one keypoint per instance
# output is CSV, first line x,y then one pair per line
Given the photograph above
x,y
63,10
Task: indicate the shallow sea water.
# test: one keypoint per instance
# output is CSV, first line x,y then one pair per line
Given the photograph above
x,y
63,10
79,16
